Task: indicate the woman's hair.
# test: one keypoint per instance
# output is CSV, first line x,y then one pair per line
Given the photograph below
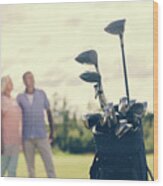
x,y
4,81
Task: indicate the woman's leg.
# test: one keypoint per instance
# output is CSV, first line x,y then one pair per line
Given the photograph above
x,y
4,163
12,166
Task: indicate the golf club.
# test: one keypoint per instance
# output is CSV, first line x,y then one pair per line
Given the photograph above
x,y
90,57
91,77
117,28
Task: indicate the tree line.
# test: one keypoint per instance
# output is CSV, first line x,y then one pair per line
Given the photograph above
x,y
71,135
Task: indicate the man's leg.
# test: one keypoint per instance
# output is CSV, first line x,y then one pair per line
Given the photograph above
x,y
12,166
46,154
29,152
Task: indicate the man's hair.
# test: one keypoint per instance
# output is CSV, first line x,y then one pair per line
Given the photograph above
x,y
26,73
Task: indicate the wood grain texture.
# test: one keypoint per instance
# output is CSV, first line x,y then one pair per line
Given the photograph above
x,y
155,90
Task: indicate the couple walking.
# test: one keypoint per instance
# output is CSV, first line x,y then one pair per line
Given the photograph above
x,y
23,124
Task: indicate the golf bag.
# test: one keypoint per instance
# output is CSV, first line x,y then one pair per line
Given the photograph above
x,y
118,132
118,158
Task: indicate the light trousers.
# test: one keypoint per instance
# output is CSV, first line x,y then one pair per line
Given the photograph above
x,y
9,160
43,146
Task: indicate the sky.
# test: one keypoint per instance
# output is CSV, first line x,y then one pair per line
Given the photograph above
x,y
45,39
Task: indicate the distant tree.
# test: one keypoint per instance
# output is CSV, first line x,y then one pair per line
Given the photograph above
x,y
148,127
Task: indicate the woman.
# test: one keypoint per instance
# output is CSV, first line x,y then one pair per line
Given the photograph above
x,y
11,129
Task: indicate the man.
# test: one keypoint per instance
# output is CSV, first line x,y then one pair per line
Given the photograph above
x,y
33,103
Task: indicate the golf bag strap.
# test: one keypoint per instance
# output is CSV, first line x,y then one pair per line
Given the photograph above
x,y
150,173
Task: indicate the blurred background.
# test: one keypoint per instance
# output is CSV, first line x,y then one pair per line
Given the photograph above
x,y
45,39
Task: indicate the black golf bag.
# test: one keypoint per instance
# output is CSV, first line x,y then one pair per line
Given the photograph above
x,y
118,158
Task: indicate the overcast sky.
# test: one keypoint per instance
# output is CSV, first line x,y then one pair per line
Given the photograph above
x,y
45,39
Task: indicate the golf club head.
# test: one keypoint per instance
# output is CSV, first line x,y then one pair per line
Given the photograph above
x,y
145,104
109,108
88,57
91,120
139,109
91,77
123,105
122,129
108,112
116,27
132,102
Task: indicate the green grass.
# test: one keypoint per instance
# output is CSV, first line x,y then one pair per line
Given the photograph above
x,y
66,165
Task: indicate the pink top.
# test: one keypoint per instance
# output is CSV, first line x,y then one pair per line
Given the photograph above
x,y
11,121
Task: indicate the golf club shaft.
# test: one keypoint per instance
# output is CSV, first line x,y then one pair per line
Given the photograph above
x,y
102,98
124,67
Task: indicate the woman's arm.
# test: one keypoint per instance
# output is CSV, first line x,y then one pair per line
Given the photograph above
x,y
2,143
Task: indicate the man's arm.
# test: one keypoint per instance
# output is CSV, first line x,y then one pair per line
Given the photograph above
x,y
51,123
49,115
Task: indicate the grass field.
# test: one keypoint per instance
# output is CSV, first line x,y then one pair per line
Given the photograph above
x,y
66,165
